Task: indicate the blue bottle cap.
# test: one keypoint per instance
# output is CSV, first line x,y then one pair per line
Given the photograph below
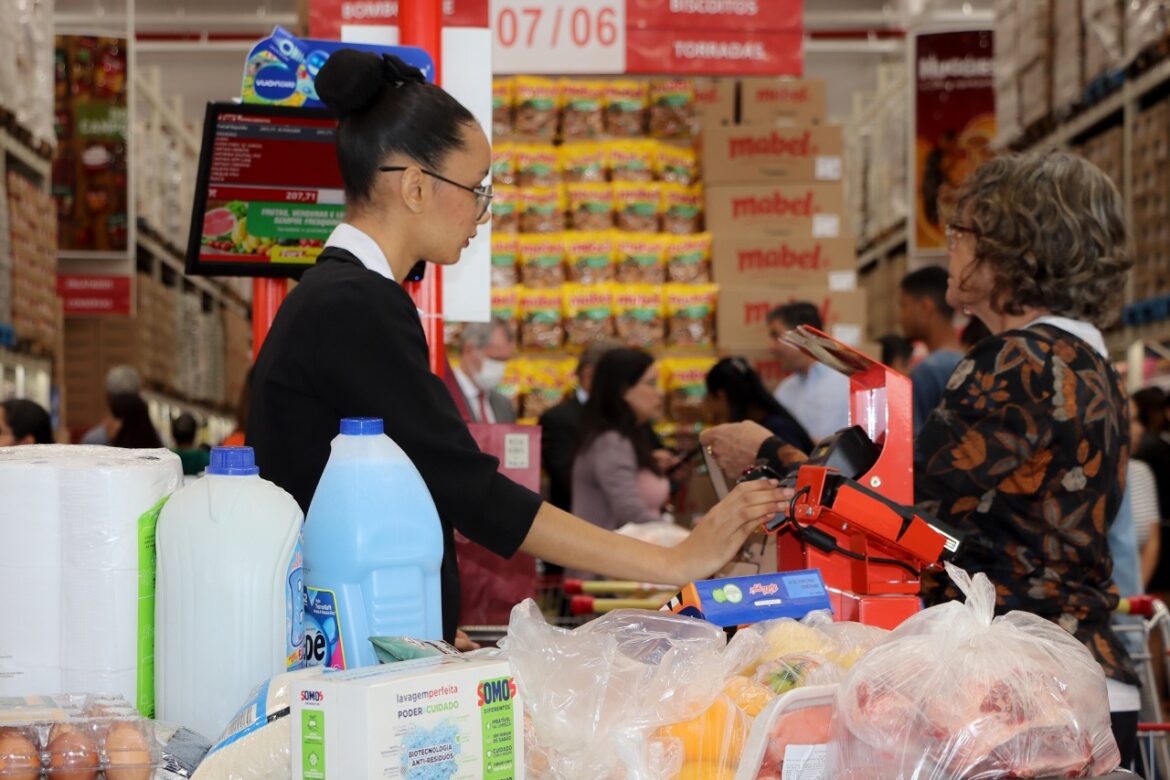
x,y
233,462
361,426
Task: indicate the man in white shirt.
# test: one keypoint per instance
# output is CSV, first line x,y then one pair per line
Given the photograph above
x,y
485,349
816,395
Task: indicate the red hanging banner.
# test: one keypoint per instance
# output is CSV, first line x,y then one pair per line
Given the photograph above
x,y
726,15
95,294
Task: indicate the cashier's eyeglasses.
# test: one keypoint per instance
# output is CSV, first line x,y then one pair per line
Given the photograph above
x,y
482,193
954,231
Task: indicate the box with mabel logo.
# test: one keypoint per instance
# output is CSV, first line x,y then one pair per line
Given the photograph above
x,y
447,716
797,101
785,210
747,259
768,152
743,313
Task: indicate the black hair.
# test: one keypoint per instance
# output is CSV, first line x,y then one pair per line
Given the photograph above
x,y
28,418
746,394
136,430
797,313
385,107
929,283
617,371
183,429
975,332
895,348
1150,402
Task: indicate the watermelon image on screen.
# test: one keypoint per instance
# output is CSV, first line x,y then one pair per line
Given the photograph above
x,y
218,224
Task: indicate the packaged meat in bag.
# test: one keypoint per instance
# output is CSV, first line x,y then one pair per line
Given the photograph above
x,y
959,694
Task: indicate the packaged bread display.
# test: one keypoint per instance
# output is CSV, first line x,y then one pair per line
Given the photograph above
x,y
503,98
676,164
543,209
682,208
637,314
631,159
582,104
536,107
542,260
688,258
584,161
625,108
537,165
506,209
640,257
505,259
503,163
541,327
690,315
590,205
588,313
512,385
686,387
544,385
672,108
637,207
589,257
506,308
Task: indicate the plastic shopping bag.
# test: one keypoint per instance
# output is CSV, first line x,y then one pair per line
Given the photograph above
x,y
958,694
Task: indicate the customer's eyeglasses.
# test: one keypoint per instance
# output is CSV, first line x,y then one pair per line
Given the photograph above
x,y
954,230
482,193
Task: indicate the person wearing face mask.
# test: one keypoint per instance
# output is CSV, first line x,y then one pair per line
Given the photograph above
x,y
348,342
485,349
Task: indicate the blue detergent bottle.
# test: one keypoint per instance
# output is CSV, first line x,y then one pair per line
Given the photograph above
x,y
373,549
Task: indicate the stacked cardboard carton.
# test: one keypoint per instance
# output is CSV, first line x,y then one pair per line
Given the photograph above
x,y
776,209
1146,24
1151,200
237,333
1034,60
93,346
1104,27
36,308
1068,57
160,333
1007,93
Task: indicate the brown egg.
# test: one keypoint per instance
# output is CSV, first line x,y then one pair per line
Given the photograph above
x,y
73,754
19,759
128,751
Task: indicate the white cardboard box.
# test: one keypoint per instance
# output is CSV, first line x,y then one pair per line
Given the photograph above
x,y
449,716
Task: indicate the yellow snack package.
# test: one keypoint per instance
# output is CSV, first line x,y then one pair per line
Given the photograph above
x,y
676,164
637,207
583,161
545,384
537,165
503,163
640,257
625,107
686,387
503,99
672,108
688,258
541,325
631,159
582,105
588,313
690,315
543,209
542,260
590,205
637,314
506,209
536,107
506,307
505,260
589,257
512,385
682,208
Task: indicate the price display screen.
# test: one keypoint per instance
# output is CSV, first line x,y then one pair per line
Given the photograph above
x,y
268,193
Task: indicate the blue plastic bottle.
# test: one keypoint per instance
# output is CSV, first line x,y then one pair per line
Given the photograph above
x,y
373,548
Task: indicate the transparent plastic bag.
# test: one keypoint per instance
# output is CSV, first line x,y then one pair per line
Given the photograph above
x,y
817,636
597,697
958,694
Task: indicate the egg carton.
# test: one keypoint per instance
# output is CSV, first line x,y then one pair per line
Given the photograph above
x,y
75,737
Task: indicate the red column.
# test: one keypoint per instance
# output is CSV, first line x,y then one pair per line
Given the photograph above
x,y
267,295
420,23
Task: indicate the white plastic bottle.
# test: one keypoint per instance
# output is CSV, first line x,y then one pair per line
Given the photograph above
x,y
230,592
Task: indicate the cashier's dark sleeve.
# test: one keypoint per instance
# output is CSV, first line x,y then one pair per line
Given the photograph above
x,y
382,371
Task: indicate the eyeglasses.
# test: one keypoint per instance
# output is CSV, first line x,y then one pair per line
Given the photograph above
x,y
482,193
954,230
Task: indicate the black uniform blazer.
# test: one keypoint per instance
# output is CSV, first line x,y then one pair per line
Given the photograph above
x,y
348,342
560,430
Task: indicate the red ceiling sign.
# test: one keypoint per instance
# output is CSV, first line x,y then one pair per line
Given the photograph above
x,y
94,294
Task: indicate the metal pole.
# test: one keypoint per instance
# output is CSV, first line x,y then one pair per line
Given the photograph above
x,y
420,23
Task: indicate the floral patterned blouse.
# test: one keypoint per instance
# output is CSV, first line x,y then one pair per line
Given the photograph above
x,y
1026,454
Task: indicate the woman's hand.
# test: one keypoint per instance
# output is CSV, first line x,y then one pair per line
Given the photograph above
x,y
718,537
735,445
664,459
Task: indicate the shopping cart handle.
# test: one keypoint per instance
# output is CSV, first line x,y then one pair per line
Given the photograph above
x,y
572,587
1142,606
580,605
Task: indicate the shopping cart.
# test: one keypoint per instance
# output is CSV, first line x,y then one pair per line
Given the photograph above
x,y
1153,616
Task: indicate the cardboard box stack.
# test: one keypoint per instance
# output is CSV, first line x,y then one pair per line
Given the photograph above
x,y
36,308
1104,25
1151,200
1146,24
237,332
1068,57
94,345
1034,66
776,210
156,302
1007,93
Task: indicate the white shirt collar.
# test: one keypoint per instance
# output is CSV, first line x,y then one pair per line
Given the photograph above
x,y
359,244
582,396
1085,331
470,389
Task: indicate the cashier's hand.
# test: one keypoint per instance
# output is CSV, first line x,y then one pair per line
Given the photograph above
x,y
735,445
718,537
463,642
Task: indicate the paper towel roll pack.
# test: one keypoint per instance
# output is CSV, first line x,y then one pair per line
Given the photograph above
x,y
77,568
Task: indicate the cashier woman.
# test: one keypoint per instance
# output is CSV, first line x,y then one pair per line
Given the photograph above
x,y
348,342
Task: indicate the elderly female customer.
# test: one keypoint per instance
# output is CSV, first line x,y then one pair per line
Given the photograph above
x,y
1027,452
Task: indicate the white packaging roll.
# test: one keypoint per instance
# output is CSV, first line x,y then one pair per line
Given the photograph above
x,y
86,601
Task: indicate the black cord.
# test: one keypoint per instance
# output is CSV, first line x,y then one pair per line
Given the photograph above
x,y
870,559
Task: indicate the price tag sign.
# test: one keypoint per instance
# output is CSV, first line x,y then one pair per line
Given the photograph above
x,y
558,36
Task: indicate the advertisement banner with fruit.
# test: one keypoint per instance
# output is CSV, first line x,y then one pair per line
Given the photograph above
x,y
90,168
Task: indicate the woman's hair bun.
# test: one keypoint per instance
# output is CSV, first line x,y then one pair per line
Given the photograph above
x,y
350,80
398,72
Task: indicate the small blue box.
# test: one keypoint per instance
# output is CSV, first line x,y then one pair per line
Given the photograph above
x,y
742,601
